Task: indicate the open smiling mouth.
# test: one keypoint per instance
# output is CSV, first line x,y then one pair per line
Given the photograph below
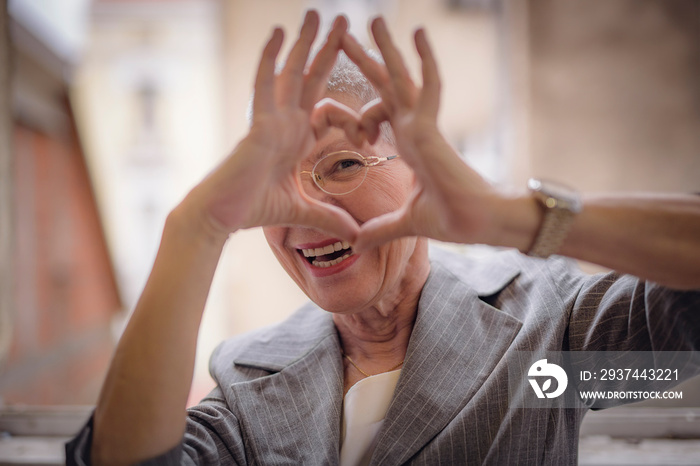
x,y
327,256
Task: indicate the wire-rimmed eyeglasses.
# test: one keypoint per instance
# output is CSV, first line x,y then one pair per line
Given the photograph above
x,y
342,172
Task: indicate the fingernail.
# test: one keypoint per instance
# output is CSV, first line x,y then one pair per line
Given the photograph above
x,y
377,20
310,13
341,19
276,30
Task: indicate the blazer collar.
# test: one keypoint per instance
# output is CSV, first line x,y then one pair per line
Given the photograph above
x,y
278,346
486,272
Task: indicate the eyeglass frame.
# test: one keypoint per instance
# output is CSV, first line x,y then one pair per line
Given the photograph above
x,y
368,162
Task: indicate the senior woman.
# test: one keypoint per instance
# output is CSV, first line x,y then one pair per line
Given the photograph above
x,y
403,355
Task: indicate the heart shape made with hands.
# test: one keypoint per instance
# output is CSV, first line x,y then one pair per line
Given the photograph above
x,y
259,184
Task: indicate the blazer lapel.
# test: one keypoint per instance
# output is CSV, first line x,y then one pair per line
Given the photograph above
x,y
456,342
308,381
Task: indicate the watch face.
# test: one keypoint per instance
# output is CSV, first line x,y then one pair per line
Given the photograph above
x,y
556,194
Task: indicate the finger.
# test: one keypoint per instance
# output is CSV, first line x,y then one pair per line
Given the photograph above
x,y
382,229
373,114
429,99
317,76
264,97
329,218
291,79
373,70
331,113
403,84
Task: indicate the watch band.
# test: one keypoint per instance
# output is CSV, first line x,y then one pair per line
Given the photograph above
x,y
560,205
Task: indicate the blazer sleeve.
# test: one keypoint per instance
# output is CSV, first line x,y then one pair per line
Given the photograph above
x,y
614,312
212,436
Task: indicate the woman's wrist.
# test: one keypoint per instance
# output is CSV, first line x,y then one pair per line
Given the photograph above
x,y
513,221
194,226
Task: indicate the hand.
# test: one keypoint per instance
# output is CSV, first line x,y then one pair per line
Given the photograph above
x,y
258,183
450,202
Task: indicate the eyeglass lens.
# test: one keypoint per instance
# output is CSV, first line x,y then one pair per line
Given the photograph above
x,y
340,172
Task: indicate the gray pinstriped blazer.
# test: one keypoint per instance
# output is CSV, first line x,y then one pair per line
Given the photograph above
x,y
280,389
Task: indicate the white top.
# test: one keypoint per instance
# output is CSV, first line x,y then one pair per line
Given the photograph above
x,y
364,408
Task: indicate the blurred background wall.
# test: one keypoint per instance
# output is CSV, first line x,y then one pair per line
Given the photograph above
x,y
59,289
615,94
118,107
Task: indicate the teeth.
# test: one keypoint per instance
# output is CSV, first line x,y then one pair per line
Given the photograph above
x,y
324,264
337,246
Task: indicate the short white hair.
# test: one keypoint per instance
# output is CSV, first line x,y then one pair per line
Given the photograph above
x,y
346,78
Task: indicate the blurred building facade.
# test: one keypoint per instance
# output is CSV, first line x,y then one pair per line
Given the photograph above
x,y
610,90
148,102
57,325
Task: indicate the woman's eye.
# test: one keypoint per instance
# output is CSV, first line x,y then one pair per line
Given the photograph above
x,y
348,164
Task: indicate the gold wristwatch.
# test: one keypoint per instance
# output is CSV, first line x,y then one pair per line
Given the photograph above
x,y
560,204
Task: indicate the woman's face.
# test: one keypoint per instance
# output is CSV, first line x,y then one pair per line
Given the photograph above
x,y
362,280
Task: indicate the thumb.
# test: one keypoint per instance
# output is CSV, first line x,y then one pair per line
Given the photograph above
x,y
373,114
383,229
329,218
329,113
